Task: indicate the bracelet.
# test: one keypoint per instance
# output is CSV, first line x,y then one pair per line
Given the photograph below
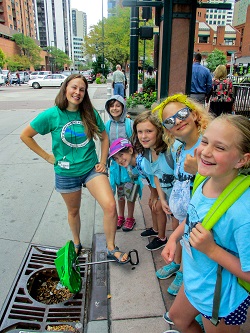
x,y
103,164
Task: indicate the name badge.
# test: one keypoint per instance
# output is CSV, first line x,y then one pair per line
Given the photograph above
x,y
63,164
187,246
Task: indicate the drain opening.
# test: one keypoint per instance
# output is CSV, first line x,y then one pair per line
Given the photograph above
x,y
22,310
44,287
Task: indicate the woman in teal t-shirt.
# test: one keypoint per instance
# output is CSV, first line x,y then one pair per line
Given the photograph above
x,y
74,124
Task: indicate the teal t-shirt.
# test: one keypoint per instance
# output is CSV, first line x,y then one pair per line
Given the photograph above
x,y
75,154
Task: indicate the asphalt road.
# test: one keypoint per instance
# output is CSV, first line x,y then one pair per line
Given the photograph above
x,y
25,97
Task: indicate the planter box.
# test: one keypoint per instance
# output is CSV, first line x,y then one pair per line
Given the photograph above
x,y
133,112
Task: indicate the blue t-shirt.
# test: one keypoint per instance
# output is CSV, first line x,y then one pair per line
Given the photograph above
x,y
180,156
232,233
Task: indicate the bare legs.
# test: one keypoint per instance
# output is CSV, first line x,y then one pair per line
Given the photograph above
x,y
100,189
183,314
73,203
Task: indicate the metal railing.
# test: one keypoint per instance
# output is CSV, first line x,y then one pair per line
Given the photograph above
x,y
242,100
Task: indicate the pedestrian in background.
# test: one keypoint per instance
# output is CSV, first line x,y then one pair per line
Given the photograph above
x,y
118,81
221,99
201,84
74,124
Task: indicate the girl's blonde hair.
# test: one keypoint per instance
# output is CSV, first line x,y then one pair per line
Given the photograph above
x,y
220,72
161,146
242,125
203,117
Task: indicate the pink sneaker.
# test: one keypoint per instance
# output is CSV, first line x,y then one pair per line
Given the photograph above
x,y
120,222
129,224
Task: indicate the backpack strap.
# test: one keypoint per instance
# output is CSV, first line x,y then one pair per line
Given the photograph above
x,y
128,127
169,159
107,126
225,200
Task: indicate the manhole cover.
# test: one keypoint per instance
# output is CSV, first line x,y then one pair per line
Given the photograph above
x,y
23,311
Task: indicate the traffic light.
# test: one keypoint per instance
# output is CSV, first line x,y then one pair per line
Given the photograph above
x,y
146,13
146,32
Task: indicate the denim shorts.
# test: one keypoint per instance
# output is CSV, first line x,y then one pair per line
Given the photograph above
x,y
69,184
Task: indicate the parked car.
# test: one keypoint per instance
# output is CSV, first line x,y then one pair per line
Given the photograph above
x,y
1,77
5,74
39,74
51,80
89,76
24,77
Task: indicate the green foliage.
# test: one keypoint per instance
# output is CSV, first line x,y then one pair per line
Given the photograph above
x,y
148,85
97,66
2,58
216,58
58,58
141,98
18,62
114,40
28,48
100,78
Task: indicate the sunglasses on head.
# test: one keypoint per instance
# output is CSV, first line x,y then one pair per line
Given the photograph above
x,y
182,114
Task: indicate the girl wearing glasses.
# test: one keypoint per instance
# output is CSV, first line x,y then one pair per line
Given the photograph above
x,y
185,120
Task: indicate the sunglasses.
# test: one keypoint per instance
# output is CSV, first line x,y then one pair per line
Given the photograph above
x,y
182,114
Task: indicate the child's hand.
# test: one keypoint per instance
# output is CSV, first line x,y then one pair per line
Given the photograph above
x,y
202,240
190,164
165,207
169,251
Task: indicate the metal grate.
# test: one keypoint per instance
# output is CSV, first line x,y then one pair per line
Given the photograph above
x,y
22,311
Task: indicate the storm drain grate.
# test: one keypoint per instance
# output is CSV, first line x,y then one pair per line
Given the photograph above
x,y
22,311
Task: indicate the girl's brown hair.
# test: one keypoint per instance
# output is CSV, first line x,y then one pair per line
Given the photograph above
x,y
85,107
220,72
161,146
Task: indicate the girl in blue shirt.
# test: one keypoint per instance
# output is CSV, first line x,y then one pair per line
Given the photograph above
x,y
223,153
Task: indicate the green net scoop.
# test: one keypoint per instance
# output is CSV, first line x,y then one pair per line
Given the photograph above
x,y
69,276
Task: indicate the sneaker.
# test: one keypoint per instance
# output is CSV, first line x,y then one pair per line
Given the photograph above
x,y
167,319
176,284
156,244
166,271
120,222
199,321
149,232
129,224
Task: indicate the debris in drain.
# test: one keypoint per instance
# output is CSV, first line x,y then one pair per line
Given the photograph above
x,y
48,292
61,328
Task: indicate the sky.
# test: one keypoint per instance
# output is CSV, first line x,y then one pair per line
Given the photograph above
x,y
93,9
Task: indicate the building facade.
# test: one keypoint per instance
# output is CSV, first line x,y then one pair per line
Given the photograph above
x,y
79,30
53,24
18,16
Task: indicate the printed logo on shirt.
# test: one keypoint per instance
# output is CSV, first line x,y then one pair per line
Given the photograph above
x,y
191,220
73,134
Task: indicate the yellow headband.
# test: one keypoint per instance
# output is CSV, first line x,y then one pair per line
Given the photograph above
x,y
175,98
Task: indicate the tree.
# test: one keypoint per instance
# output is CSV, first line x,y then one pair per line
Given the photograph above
x,y
216,58
58,58
28,48
18,63
114,44
2,58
